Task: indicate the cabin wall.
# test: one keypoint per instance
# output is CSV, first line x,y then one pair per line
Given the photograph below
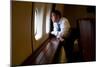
x,y
60,7
72,13
21,31
86,27
87,39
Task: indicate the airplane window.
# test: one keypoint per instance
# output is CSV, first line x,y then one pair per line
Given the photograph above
x,y
37,24
42,20
48,21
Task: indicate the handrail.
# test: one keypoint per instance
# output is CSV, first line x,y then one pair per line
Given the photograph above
x,y
45,53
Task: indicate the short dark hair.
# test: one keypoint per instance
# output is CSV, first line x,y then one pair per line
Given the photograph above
x,y
57,12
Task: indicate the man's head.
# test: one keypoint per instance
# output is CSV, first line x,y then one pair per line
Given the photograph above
x,y
55,15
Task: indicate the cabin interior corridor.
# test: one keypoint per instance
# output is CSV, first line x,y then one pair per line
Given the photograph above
x,y
33,45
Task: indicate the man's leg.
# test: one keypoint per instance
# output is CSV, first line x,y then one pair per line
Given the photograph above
x,y
68,46
58,53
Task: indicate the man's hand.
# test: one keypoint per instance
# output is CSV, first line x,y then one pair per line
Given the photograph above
x,y
54,33
51,35
61,39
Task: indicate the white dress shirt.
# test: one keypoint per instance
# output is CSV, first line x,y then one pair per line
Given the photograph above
x,y
64,26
